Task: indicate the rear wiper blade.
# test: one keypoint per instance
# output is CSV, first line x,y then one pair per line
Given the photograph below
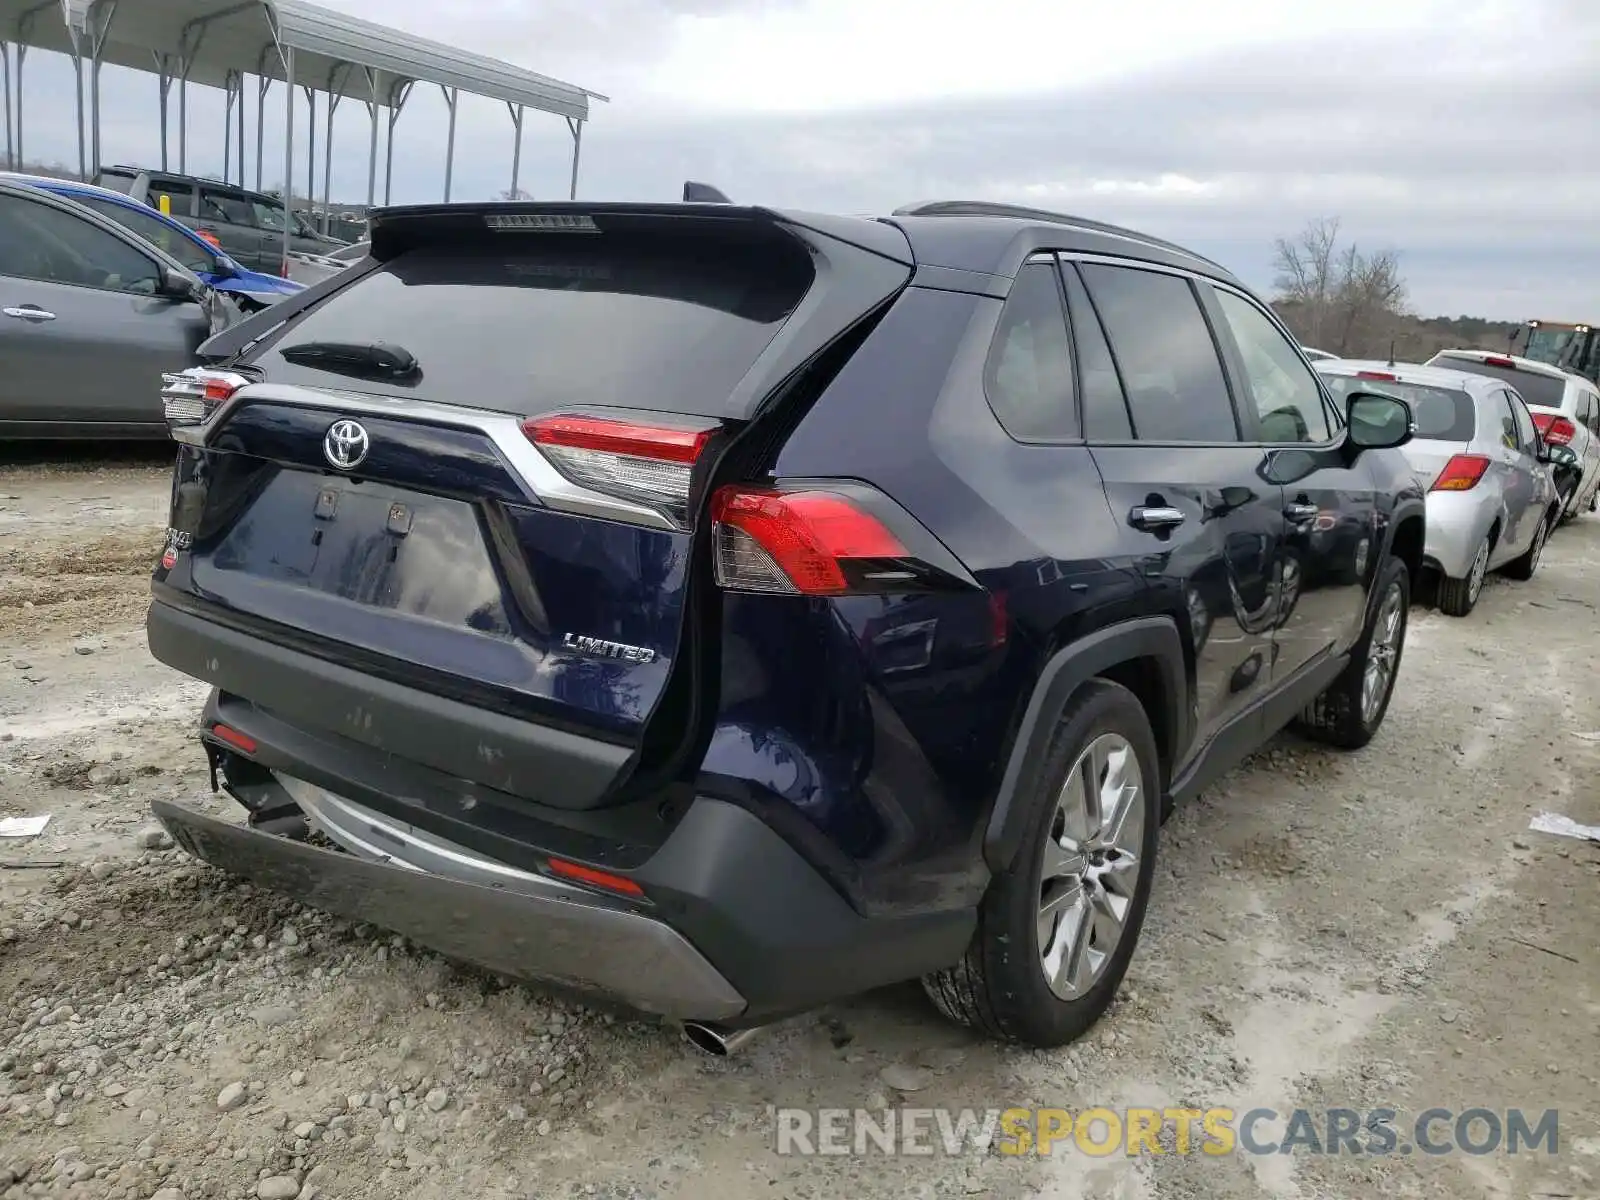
x,y
371,359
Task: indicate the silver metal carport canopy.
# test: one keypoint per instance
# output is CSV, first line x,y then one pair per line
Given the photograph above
x,y
317,50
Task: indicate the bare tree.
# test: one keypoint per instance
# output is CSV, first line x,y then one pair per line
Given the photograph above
x,y
1336,297
514,194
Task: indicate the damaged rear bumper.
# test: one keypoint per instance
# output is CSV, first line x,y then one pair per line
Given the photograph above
x,y
553,934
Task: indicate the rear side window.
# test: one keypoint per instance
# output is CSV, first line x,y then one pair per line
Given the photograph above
x,y
182,196
535,323
1541,391
1164,353
1105,408
1028,375
1441,414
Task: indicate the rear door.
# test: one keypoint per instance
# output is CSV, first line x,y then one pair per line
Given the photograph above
x,y
83,336
509,521
1512,467
1205,521
231,216
1329,507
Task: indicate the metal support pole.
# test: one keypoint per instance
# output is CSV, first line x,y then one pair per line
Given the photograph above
x,y
335,94
372,142
101,15
263,82
233,92
239,125
311,148
288,150
516,153
576,126
164,83
399,93
22,58
189,39
77,93
450,98
5,71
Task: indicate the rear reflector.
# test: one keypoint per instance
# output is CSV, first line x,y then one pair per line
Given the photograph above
x,y
234,738
191,397
652,464
579,873
794,543
1377,375
1461,473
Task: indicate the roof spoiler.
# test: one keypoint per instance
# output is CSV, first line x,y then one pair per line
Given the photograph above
x,y
703,193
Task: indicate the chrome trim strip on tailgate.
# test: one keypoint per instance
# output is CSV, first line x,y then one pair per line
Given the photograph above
x,y
544,484
579,943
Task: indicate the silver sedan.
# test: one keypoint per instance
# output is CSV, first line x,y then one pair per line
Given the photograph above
x,y
1491,496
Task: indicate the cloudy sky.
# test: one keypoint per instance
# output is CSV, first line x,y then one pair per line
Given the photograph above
x,y
1463,133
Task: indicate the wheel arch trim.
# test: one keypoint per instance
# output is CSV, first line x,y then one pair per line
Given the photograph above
x,y
1066,671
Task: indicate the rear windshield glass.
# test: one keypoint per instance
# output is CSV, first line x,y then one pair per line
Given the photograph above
x,y
1541,391
1441,414
530,324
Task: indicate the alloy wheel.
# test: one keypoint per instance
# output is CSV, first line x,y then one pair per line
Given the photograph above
x,y
1091,865
1383,650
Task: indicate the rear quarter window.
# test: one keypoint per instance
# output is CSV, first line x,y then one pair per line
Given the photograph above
x,y
535,324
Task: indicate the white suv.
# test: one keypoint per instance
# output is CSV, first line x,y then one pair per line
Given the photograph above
x,y
1565,407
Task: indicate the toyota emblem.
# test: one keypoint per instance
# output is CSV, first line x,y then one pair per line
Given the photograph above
x,y
346,444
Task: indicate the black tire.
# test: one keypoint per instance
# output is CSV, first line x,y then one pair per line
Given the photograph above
x,y
1523,566
1458,597
1336,716
999,986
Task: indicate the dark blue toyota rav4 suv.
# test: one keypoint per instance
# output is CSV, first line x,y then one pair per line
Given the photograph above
x,y
723,610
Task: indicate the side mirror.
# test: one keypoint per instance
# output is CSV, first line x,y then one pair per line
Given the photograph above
x,y
179,287
226,268
1557,456
1378,422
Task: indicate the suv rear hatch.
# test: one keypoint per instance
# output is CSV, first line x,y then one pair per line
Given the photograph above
x,y
1544,393
476,472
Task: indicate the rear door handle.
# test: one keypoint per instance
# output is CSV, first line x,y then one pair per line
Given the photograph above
x,y
29,313
1153,517
1301,512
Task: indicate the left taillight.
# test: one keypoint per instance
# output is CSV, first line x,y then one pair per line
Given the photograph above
x,y
191,398
647,463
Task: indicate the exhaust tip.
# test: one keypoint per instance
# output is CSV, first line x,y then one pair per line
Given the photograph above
x,y
715,1040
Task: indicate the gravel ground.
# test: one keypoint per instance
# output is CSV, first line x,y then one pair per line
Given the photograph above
x,y
1371,930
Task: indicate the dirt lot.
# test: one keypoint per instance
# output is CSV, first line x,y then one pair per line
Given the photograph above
x,y
1377,930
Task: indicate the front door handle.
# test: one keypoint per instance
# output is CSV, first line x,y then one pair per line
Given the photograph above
x,y
1153,517
28,312
1301,512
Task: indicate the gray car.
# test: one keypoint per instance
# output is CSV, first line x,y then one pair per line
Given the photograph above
x,y
1477,454
91,315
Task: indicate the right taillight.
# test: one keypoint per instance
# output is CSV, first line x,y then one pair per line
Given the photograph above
x,y
809,543
1461,473
1558,431
651,464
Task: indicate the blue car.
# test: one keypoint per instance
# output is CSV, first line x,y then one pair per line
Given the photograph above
x,y
252,291
724,610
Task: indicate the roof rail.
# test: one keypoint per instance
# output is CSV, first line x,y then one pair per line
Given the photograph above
x,y
985,208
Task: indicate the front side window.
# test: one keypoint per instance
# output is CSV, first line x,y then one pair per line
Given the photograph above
x,y
1028,376
39,241
1282,387
1164,354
